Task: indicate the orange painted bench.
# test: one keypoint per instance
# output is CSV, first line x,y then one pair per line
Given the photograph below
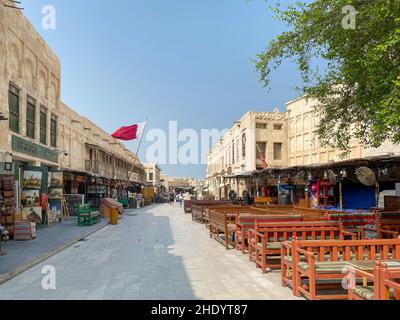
x,y
246,222
389,281
224,222
232,209
382,283
265,240
315,261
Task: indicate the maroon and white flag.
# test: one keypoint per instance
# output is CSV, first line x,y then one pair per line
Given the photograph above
x,y
128,133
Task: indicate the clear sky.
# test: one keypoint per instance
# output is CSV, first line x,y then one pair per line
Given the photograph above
x,y
183,60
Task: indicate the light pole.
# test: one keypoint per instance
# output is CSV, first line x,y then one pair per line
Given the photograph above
x,y
2,117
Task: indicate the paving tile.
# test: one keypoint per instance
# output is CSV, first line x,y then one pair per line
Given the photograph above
x,y
156,254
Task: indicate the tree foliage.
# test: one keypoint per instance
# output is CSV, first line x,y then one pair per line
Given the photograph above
x,y
358,93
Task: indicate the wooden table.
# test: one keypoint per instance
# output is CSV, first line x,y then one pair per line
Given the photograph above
x,y
369,265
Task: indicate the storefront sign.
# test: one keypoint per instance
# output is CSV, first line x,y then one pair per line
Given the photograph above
x,y
27,147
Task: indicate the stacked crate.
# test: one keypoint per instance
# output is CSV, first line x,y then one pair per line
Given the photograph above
x,y
24,230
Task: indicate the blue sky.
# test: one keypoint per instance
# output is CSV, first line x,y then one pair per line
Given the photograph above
x,y
183,60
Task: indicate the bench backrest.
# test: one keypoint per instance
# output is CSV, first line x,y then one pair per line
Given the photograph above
x,y
392,225
287,231
248,221
222,218
84,208
346,250
389,215
353,220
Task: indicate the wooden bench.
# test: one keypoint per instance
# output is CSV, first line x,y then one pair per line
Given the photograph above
x,y
86,216
265,201
381,230
241,209
380,284
200,212
389,281
222,223
369,289
246,222
315,261
265,240
188,205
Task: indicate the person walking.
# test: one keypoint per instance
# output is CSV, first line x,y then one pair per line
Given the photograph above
x,y
180,199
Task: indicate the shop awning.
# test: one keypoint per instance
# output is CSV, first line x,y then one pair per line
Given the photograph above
x,y
246,174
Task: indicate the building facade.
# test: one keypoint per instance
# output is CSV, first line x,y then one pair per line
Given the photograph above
x,y
285,139
153,175
257,138
41,133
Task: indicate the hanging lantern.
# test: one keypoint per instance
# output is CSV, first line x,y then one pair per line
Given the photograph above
x,y
314,188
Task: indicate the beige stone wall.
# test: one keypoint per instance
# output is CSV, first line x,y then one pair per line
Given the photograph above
x,y
258,127
30,65
304,147
156,171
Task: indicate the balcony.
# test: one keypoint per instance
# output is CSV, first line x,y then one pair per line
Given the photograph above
x,y
102,169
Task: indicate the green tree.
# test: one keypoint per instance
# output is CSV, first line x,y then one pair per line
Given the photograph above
x,y
358,92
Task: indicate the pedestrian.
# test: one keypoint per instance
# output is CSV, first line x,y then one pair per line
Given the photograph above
x,y
180,199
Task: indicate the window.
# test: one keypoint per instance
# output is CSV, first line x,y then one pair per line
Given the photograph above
x,y
261,125
53,131
261,147
30,117
244,141
277,126
233,152
13,105
43,125
151,176
237,150
277,151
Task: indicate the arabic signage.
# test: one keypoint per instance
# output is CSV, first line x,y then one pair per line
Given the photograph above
x,y
33,149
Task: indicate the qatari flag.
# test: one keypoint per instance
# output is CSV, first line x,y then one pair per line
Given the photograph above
x,y
130,132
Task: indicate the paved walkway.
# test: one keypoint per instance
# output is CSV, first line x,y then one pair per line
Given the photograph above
x,y
23,254
159,253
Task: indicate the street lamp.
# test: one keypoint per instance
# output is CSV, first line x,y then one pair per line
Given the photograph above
x,y
2,117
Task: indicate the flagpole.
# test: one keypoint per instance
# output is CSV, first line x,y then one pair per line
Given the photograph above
x,y
141,138
137,152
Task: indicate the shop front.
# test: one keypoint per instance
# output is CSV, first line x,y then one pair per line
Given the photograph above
x,y
74,190
97,189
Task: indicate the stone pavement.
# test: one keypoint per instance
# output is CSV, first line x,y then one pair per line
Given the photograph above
x,y
23,254
158,253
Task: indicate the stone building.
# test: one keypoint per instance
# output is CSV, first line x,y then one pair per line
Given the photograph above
x,y
42,133
286,139
240,152
153,175
304,147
